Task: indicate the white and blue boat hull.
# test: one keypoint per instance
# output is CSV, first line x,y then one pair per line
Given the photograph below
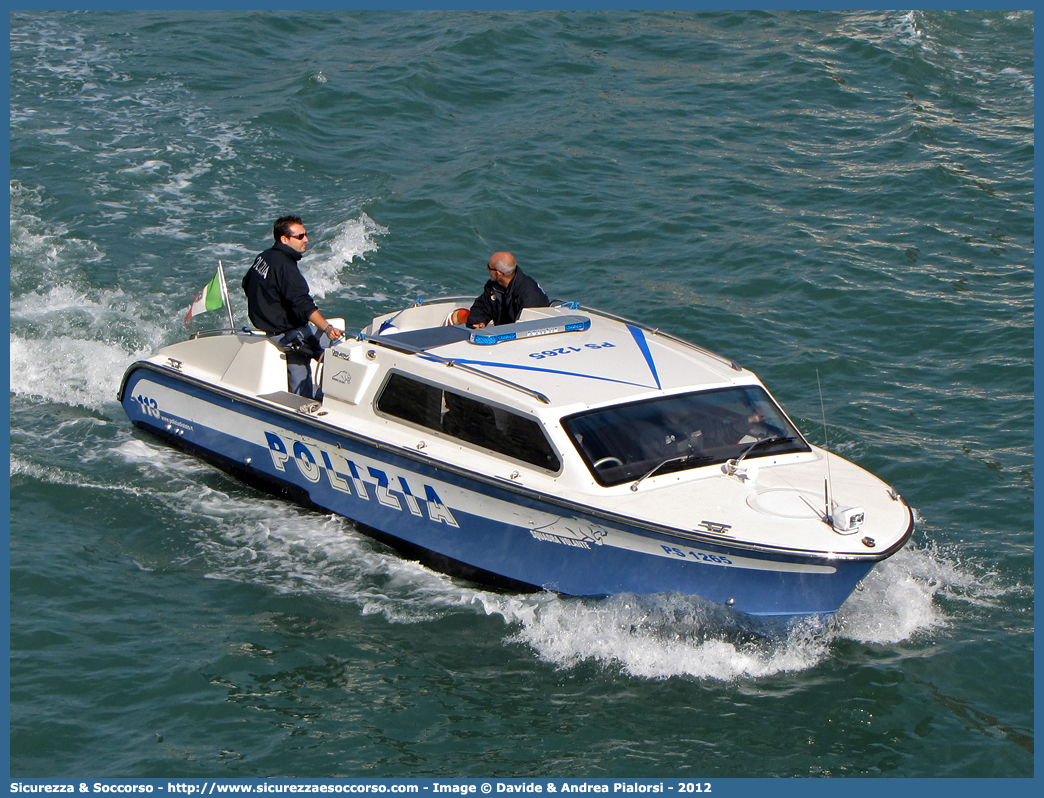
x,y
464,524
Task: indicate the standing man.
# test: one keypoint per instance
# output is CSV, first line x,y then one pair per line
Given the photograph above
x,y
279,303
505,294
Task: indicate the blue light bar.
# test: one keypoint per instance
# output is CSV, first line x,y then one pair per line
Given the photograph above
x,y
489,336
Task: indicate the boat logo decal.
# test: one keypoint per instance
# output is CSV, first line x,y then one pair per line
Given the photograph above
x,y
150,407
342,377
574,532
580,544
346,476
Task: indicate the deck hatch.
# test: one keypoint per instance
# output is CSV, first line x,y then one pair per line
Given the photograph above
x,y
423,340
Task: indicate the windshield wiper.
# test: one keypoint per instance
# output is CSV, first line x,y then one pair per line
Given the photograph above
x,y
684,458
733,465
759,442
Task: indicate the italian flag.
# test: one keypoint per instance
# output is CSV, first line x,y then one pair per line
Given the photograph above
x,y
210,298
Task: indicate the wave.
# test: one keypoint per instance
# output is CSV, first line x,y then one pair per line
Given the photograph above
x,y
235,536
666,636
351,239
71,346
76,373
155,161
42,253
946,41
650,637
70,342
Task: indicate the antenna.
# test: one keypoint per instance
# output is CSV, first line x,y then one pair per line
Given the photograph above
x,y
826,485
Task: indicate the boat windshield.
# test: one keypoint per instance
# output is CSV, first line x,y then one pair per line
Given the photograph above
x,y
630,442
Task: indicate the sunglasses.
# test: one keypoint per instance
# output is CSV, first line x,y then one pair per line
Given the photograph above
x,y
299,237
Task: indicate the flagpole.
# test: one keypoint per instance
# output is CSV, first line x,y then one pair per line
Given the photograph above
x,y
224,296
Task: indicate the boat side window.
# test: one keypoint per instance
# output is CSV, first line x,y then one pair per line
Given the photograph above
x,y
467,419
672,433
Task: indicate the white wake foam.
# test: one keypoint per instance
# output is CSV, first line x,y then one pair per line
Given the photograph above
x,y
269,542
71,345
76,373
326,267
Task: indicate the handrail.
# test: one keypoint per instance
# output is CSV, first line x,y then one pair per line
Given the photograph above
x,y
442,299
657,331
226,331
390,343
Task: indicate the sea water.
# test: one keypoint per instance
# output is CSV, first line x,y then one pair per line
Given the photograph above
x,y
834,199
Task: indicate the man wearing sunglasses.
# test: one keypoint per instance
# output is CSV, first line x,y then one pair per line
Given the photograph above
x,y
279,302
505,294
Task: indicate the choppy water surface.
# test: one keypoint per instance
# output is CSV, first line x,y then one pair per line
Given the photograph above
x,y
841,194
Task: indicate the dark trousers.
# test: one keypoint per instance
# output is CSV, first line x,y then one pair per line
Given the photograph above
x,y
301,347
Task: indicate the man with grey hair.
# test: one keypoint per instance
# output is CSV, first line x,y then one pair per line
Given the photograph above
x,y
505,294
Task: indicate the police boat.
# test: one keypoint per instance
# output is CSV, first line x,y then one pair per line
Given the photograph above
x,y
574,451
